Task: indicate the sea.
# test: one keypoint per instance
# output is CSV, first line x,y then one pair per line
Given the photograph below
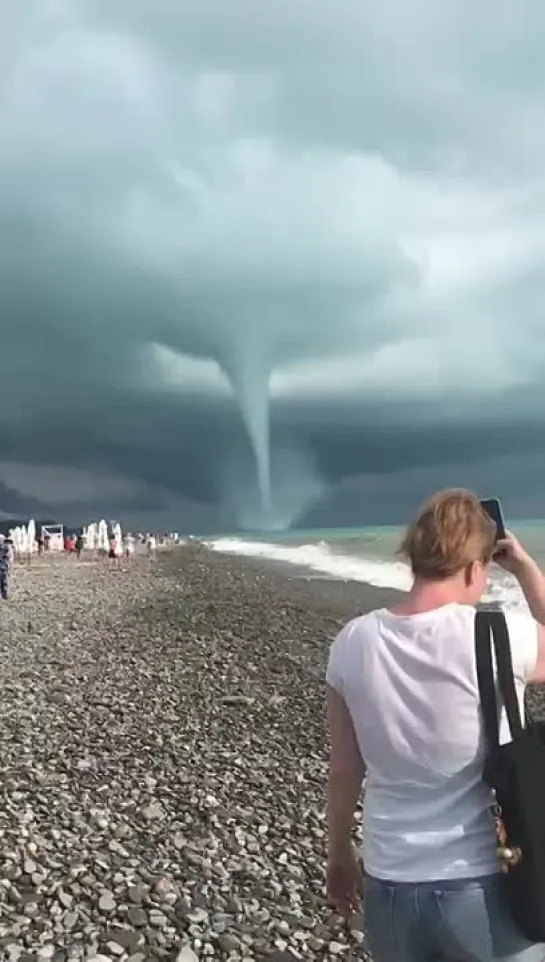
x,y
369,555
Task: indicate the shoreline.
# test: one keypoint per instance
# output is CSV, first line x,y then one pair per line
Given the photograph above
x,y
343,598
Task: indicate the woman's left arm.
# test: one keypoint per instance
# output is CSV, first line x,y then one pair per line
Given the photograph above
x,y
346,773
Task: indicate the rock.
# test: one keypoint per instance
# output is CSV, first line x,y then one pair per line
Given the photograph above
x,y
162,888
118,849
178,840
123,831
157,919
229,943
186,954
315,944
45,953
137,917
237,700
153,812
136,894
107,903
197,916
13,951
123,938
31,910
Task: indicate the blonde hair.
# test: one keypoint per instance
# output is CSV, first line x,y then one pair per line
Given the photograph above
x,y
450,532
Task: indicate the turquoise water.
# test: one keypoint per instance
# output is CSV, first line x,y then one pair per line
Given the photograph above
x,y
369,555
382,541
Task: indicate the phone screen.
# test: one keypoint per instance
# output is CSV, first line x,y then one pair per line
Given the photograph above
x,y
492,507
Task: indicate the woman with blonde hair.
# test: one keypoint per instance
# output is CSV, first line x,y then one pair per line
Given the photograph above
x,y
404,711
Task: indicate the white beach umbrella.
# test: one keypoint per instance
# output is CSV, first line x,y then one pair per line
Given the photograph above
x,y
23,540
90,536
102,536
31,535
118,539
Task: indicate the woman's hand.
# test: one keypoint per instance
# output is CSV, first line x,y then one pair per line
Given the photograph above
x,y
515,559
344,882
510,555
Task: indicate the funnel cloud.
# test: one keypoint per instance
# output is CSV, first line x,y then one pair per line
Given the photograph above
x,y
266,265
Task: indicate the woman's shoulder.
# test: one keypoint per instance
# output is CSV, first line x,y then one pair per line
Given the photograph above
x,y
354,632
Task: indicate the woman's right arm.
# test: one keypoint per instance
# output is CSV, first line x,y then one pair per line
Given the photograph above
x,y
532,583
515,559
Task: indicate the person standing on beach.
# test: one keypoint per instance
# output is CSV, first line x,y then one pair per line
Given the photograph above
x,y
404,712
79,545
129,547
113,550
6,563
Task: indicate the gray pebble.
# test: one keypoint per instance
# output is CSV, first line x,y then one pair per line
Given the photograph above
x,y
106,902
229,943
186,954
137,916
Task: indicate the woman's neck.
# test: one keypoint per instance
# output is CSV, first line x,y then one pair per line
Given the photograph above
x,y
428,595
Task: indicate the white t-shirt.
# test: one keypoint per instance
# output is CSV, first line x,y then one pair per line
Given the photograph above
x,y
410,685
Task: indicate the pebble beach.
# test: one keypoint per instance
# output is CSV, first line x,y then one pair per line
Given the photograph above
x,y
163,760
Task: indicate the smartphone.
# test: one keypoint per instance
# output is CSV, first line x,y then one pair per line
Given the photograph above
x,y
492,507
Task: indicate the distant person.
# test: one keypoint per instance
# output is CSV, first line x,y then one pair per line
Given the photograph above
x,y
79,545
112,552
40,545
7,556
152,546
129,547
404,711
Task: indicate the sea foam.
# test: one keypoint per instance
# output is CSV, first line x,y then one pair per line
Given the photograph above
x,y
319,557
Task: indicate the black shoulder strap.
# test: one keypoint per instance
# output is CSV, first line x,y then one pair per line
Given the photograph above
x,y
485,678
504,665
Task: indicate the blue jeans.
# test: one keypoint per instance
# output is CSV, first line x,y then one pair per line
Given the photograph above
x,y
463,920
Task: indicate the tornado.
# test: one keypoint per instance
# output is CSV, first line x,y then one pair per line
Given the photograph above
x,y
247,366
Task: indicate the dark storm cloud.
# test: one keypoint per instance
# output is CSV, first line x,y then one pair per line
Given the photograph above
x,y
197,199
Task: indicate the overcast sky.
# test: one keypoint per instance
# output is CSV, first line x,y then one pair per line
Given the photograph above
x,y
329,214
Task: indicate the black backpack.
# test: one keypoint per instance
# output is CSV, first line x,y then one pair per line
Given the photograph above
x,y
515,772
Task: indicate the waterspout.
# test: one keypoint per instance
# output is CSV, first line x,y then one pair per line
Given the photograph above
x,y
248,369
